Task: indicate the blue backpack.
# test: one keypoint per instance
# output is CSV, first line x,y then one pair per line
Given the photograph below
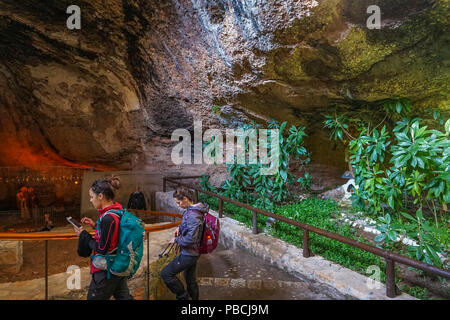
x,y
130,247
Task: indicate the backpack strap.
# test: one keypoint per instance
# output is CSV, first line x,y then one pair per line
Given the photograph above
x,y
204,224
118,213
197,211
109,258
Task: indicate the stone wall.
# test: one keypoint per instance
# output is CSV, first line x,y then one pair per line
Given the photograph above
x,y
111,94
11,256
131,181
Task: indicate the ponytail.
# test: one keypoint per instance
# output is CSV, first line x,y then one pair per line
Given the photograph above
x,y
106,186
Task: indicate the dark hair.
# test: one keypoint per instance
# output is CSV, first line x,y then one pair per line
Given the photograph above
x,y
106,186
182,192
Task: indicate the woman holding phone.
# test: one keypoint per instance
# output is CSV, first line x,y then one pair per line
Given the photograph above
x,y
105,240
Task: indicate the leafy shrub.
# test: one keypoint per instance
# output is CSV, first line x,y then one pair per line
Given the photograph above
x,y
390,166
247,184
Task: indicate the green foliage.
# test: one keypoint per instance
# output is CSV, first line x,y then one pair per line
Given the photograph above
x,y
337,125
418,292
409,161
206,185
238,213
368,156
305,181
436,114
400,107
216,109
319,213
247,184
390,232
429,239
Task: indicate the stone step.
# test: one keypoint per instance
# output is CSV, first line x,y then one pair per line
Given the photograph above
x,y
251,284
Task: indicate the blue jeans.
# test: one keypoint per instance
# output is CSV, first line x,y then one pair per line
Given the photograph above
x,y
185,263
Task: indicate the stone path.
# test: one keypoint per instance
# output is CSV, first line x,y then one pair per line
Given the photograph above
x,y
235,275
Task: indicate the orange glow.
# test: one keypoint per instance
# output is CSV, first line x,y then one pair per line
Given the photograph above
x,y
15,153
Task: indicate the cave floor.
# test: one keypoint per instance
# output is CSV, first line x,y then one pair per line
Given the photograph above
x,y
233,274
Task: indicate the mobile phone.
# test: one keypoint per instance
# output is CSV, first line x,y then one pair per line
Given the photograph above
x,y
73,222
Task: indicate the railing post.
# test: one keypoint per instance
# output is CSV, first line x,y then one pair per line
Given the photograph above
x,y
255,223
391,288
46,269
195,196
220,208
148,266
306,252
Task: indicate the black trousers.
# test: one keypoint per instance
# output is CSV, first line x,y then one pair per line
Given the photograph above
x,y
185,263
102,288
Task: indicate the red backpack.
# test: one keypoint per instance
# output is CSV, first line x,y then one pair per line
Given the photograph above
x,y
210,234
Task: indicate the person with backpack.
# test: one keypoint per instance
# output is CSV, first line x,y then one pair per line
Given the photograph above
x,y
188,236
105,242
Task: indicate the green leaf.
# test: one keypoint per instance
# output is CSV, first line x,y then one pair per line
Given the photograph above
x,y
431,252
408,216
447,197
392,235
388,218
283,125
339,134
419,214
421,163
419,253
447,127
391,202
283,174
379,237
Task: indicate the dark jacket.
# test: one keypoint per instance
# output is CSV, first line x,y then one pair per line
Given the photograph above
x,y
104,241
191,229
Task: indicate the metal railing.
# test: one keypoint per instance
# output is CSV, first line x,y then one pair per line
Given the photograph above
x,y
390,257
46,236
12,219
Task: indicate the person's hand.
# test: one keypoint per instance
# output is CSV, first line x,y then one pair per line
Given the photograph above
x,y
78,231
88,221
176,233
172,240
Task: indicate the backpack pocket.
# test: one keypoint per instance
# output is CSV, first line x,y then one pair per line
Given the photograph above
x,y
99,261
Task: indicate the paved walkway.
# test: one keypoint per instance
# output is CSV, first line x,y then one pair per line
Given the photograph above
x,y
237,275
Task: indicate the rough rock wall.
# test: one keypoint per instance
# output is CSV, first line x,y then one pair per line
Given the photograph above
x,y
111,94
